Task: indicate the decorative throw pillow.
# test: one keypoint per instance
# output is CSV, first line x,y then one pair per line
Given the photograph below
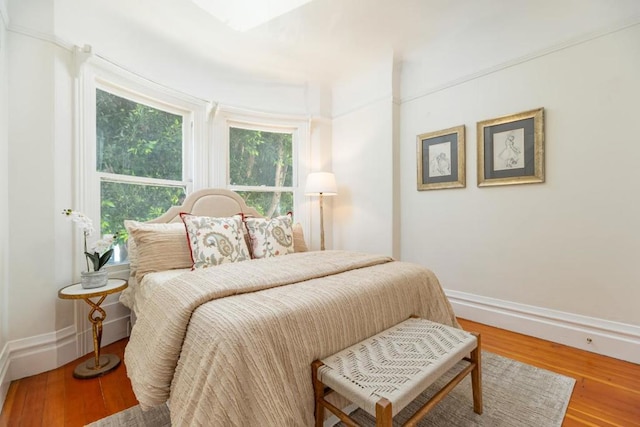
x,y
270,237
132,251
299,245
156,247
215,241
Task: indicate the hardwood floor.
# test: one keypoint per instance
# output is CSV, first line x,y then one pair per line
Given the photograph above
x,y
607,391
55,398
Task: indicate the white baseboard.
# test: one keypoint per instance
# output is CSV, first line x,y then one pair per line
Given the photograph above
x,y
34,355
29,356
618,340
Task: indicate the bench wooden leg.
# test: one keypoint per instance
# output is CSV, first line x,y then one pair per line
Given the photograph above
x,y
318,392
476,377
384,414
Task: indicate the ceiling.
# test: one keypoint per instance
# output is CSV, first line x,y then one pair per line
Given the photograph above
x,y
320,41
325,40
244,15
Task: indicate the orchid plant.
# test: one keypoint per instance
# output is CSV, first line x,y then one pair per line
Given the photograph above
x,y
101,250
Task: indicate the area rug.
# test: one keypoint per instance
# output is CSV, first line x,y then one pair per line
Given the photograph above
x,y
514,394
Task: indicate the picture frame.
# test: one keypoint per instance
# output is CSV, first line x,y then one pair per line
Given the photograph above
x,y
441,159
511,149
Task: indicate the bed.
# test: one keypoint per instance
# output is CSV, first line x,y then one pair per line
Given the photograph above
x,y
232,344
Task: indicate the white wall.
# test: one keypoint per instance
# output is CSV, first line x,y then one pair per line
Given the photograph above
x,y
4,205
570,244
31,220
40,166
362,160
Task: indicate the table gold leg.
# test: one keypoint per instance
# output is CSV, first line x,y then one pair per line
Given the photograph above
x,y
100,364
97,327
97,340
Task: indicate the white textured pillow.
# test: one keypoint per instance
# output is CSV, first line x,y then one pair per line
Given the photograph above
x,y
215,241
156,247
270,237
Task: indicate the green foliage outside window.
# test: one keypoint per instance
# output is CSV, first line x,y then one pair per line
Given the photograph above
x,y
138,140
122,201
134,139
260,158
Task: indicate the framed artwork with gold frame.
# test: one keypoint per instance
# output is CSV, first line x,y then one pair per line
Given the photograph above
x,y
511,149
441,159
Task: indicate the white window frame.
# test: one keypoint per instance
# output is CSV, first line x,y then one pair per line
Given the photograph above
x,y
95,73
297,126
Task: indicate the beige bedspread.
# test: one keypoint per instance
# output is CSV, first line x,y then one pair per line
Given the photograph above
x,y
232,345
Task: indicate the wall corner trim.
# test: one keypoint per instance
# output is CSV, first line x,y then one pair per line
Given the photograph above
x,y
4,369
613,339
364,104
4,13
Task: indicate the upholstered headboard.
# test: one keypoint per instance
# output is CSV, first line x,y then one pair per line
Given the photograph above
x,y
215,202
165,246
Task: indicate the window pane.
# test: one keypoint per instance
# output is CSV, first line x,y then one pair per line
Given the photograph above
x,y
269,204
260,158
121,201
135,139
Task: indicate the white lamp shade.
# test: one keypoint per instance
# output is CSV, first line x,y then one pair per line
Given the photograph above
x,y
321,182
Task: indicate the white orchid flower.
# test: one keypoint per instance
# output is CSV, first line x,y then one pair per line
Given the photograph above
x,y
100,251
83,221
102,245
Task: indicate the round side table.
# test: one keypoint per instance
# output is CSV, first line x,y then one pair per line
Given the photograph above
x,y
100,364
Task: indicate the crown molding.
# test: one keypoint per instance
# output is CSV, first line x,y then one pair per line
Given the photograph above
x,y
39,35
620,26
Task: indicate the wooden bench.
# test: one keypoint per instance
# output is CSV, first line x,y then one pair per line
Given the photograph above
x,y
386,372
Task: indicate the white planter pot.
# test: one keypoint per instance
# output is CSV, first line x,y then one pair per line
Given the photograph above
x,y
94,279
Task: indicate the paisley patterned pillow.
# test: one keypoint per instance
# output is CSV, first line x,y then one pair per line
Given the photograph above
x,y
270,237
215,241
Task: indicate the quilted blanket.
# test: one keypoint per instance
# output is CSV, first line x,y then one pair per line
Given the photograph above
x,y
232,345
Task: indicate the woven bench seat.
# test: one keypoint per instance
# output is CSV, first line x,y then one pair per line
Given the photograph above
x,y
386,372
